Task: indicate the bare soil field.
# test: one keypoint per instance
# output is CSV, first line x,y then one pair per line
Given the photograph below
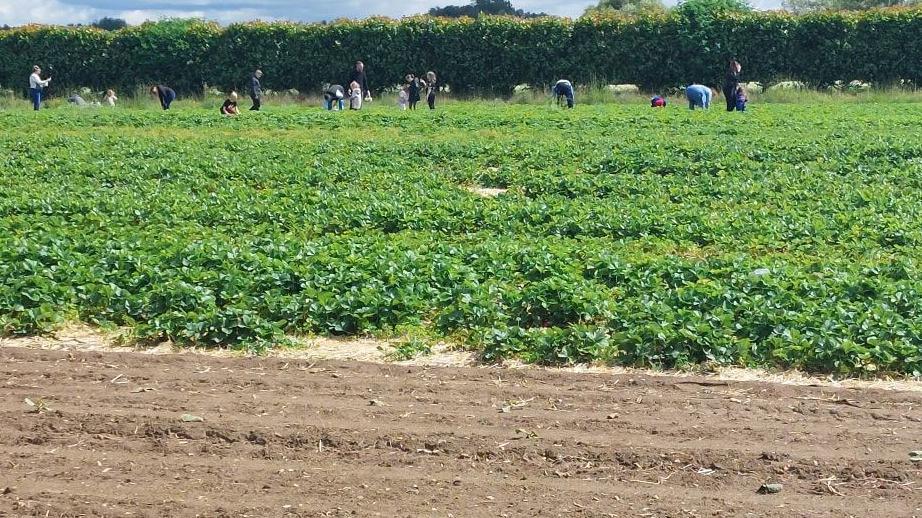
x,y
128,434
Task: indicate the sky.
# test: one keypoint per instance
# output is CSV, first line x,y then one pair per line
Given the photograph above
x,y
19,12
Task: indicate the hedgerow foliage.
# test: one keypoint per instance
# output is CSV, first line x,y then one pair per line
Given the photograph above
x,y
485,54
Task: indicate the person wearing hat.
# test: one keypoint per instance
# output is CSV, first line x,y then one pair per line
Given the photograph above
x,y
36,86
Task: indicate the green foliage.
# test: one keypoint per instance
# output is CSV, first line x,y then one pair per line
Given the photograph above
x,y
787,237
410,348
110,24
808,6
657,50
482,7
705,8
629,7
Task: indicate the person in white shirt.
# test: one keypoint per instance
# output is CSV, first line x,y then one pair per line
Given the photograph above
x,y
36,85
110,98
355,96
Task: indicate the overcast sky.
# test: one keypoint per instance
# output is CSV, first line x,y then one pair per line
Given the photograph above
x,y
18,12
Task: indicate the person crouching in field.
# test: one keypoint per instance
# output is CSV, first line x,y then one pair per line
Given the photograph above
x,y
229,108
165,94
740,99
699,96
431,89
334,94
110,99
564,89
657,101
355,96
36,87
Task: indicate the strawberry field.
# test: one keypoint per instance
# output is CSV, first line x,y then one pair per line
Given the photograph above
x,y
786,238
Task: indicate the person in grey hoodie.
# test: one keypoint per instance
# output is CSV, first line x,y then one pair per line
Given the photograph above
x,y
256,91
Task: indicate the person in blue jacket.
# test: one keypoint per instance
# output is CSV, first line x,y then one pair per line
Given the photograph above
x,y
564,89
699,96
165,94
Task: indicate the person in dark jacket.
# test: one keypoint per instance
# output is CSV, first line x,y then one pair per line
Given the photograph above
x,y
335,94
564,89
732,83
256,91
431,89
414,88
358,75
165,94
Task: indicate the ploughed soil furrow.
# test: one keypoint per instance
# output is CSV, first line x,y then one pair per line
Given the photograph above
x,y
118,434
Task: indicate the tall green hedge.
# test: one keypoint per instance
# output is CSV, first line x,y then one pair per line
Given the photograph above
x,y
490,53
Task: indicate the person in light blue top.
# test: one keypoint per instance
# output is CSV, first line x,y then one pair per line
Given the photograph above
x,y
699,96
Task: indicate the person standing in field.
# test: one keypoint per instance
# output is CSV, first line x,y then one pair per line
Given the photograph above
x,y
699,96
358,76
732,83
431,89
563,89
165,94
36,87
740,99
256,91
414,87
403,98
355,96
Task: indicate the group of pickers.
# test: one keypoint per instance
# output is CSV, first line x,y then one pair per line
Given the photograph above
x,y
410,93
698,95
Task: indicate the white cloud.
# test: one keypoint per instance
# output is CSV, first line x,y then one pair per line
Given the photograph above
x,y
17,12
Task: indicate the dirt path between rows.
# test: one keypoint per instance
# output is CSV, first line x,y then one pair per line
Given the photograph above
x,y
105,436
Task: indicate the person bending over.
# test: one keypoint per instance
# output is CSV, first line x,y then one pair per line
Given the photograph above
x,y
165,94
699,96
563,89
334,94
229,108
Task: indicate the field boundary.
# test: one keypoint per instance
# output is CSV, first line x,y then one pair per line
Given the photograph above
x,y
84,338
